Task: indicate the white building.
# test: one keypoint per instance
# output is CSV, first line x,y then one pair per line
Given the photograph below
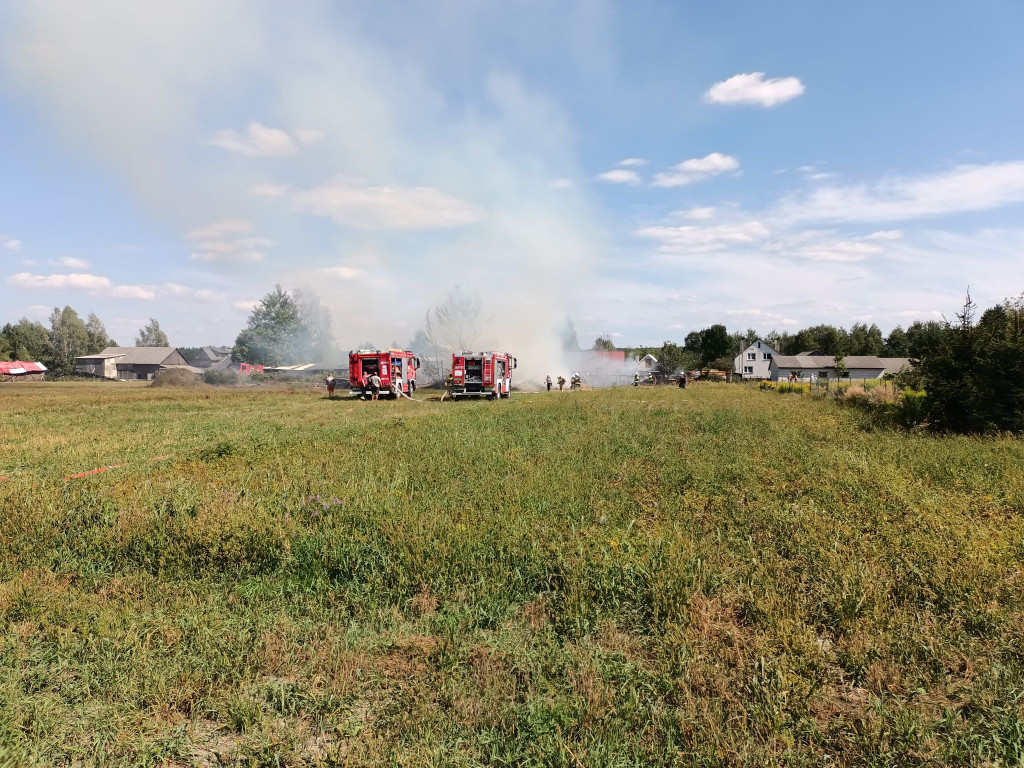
x,y
754,362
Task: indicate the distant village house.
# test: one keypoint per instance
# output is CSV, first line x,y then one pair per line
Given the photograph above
x,y
754,362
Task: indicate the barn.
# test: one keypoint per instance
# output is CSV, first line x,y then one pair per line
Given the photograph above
x,y
130,363
20,370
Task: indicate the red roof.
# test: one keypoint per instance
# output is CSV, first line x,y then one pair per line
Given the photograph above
x,y
20,366
618,355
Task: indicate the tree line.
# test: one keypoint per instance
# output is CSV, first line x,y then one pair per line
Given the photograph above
x,y
66,337
716,347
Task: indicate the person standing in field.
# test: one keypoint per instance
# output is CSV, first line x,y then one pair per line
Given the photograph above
x,y
636,379
374,386
561,383
682,380
330,382
547,380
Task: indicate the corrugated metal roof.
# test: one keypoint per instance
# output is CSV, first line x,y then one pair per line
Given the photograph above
x,y
140,355
17,367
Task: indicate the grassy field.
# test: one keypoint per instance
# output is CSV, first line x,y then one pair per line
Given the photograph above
x,y
715,577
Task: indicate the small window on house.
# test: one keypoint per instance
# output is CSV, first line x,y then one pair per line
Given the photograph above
x,y
766,356
751,355
748,369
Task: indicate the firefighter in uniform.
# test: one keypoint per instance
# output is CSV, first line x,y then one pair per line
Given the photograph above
x,y
636,379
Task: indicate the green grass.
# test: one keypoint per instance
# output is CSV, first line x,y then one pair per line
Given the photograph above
x,y
714,577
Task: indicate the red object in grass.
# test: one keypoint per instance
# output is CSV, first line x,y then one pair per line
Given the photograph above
x,y
93,472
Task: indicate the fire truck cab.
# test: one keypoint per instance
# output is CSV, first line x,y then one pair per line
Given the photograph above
x,y
482,374
392,365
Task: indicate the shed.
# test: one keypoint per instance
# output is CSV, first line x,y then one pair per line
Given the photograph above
x,y
130,363
20,370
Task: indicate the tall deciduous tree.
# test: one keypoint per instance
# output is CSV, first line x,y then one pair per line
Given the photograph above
x,y
284,329
69,337
99,339
604,344
150,335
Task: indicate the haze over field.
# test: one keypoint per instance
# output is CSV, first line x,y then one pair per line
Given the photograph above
x,y
643,170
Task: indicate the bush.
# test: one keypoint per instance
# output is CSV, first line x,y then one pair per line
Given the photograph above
x,y
220,378
912,408
176,377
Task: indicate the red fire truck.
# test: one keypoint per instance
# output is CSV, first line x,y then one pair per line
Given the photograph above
x,y
482,374
390,364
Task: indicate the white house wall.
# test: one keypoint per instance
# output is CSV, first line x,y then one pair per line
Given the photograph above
x,y
761,366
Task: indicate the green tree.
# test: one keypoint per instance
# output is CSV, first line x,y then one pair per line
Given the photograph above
x,y
840,367
68,336
715,344
829,340
150,335
896,343
273,329
672,358
974,372
924,337
99,339
604,344
803,341
29,341
864,340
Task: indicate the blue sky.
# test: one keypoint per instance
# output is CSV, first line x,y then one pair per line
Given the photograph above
x,y
645,168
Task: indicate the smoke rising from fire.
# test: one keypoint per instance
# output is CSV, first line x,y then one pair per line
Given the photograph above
x,y
361,177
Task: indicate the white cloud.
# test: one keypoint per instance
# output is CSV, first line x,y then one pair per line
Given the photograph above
x,y
80,281
309,135
694,239
885,234
220,242
963,188
242,249
71,262
221,228
696,214
345,273
620,176
631,162
185,292
752,88
245,306
352,203
258,141
9,243
560,183
696,169
269,191
825,245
